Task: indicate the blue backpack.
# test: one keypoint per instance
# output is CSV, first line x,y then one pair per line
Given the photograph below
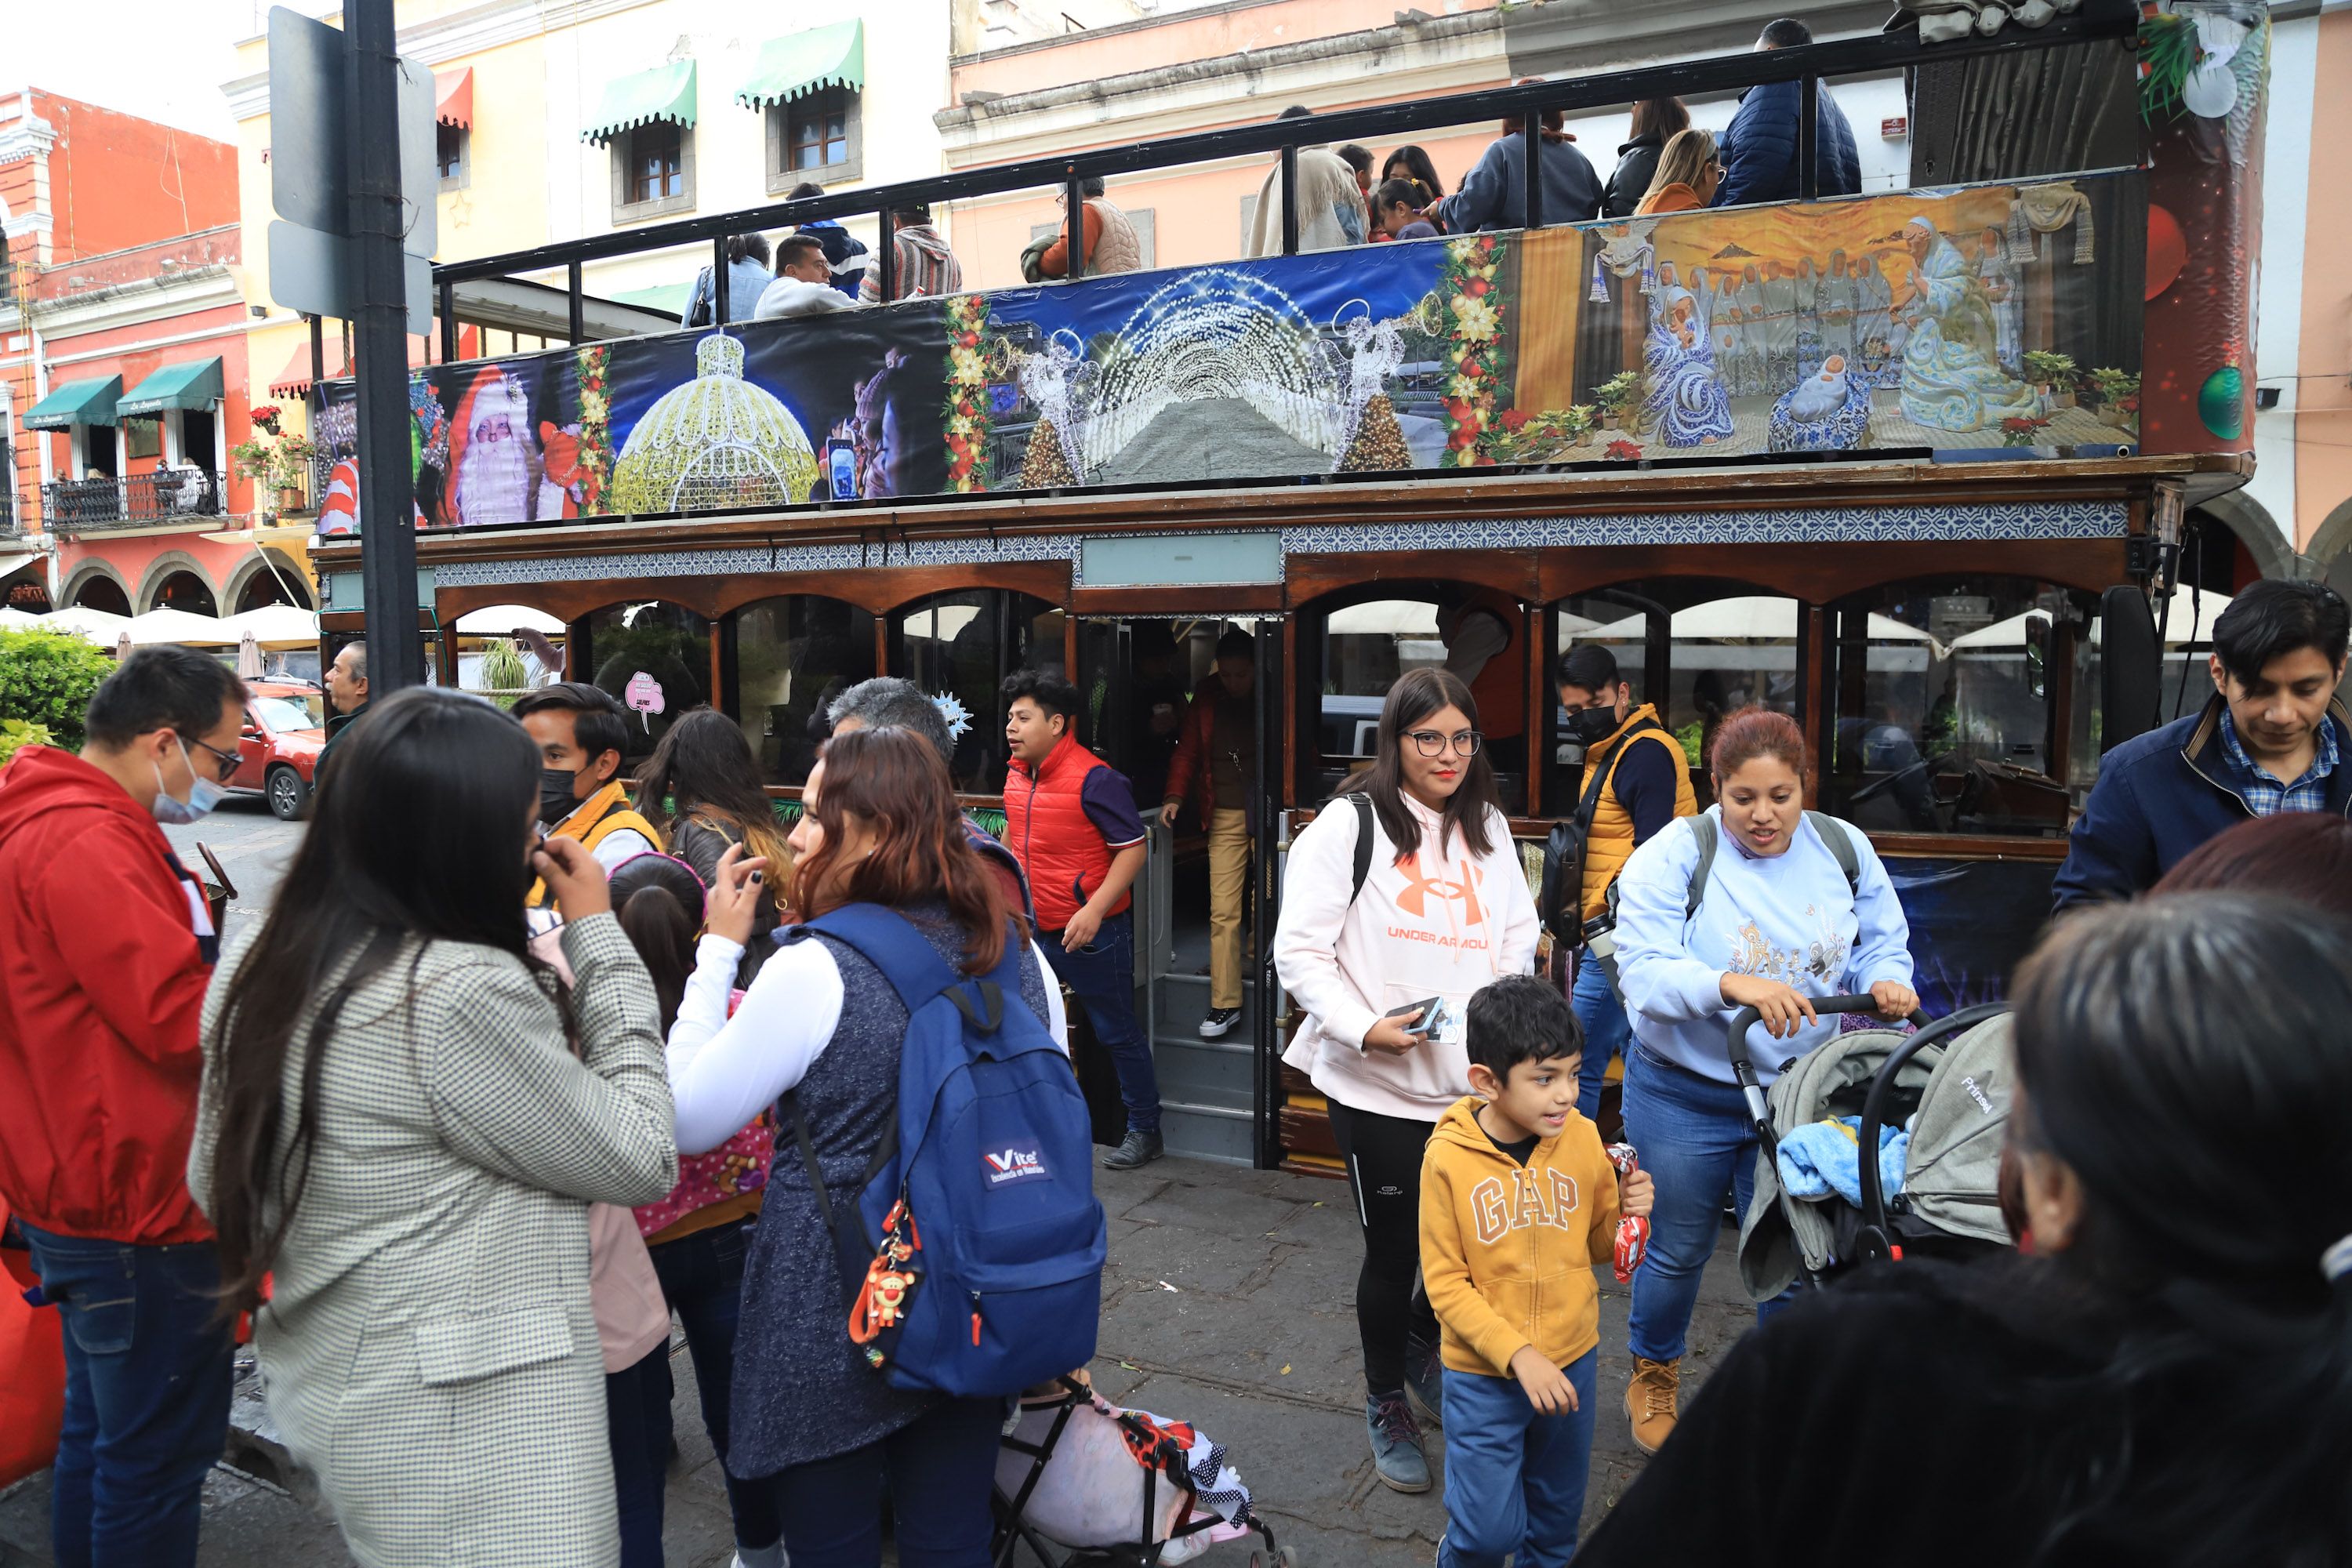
x,y
971,1257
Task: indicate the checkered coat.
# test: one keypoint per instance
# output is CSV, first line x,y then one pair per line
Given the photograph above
x,y
428,1349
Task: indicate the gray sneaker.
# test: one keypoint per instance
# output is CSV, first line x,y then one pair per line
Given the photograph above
x,y
1136,1149
1396,1443
1425,1380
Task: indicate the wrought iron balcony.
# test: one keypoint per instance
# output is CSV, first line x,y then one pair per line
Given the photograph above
x,y
167,495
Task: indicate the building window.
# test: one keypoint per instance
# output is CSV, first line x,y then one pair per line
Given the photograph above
x,y
143,436
451,155
818,137
653,172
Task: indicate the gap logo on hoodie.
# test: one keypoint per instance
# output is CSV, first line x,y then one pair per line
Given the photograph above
x,y
1545,1196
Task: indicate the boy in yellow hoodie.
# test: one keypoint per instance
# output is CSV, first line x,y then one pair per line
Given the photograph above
x,y
1518,1203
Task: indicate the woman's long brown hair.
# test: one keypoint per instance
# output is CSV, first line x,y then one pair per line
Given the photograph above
x,y
895,780
1416,695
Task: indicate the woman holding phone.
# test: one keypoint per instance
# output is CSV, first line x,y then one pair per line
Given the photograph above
x,y
1382,969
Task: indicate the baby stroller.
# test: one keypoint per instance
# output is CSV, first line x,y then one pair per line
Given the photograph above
x,y
1117,1488
1948,1085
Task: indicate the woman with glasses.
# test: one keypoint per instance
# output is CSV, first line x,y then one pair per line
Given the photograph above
x,y
1790,905
1402,897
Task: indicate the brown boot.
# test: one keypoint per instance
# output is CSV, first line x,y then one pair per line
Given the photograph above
x,y
1650,1401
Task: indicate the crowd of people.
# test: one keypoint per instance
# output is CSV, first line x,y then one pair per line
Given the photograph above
x,y
529,1059
1664,166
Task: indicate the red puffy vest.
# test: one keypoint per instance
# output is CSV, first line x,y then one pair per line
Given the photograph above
x,y
1045,824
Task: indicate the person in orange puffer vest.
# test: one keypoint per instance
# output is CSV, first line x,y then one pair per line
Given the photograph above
x,y
1070,820
1646,784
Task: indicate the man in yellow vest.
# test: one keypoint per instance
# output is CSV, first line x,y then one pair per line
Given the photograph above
x,y
1644,785
582,733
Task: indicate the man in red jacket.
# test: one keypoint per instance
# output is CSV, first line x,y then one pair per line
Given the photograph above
x,y
106,946
1070,820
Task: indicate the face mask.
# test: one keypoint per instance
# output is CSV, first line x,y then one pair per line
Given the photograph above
x,y
556,801
1587,725
204,795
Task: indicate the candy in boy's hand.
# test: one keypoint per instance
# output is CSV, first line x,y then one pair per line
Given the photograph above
x,y
1632,1229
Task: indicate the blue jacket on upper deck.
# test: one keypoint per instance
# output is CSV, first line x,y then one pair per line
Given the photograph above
x,y
1760,148
2162,794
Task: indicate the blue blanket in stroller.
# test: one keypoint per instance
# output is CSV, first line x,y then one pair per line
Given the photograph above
x,y
1825,1157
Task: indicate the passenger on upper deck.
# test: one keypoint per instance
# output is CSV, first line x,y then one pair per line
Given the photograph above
x,y
845,254
804,283
1656,121
1111,244
927,269
1760,148
1330,206
1493,193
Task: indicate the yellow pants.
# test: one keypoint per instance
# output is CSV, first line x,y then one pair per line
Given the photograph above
x,y
1229,852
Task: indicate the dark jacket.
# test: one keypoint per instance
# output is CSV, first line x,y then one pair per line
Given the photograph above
x,y
1760,148
2160,796
1191,776
843,252
338,726
1493,193
1813,1443
1637,166
102,977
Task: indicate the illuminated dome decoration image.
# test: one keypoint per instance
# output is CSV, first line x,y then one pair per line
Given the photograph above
x,y
717,441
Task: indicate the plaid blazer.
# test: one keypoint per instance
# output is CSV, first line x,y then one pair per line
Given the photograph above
x,y
428,1349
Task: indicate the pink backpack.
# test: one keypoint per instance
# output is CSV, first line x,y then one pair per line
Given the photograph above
x,y
736,1167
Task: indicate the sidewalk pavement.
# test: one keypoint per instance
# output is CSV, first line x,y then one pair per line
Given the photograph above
x,y
1229,1303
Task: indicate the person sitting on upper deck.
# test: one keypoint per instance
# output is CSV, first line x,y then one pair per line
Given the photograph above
x,y
1111,243
2273,738
804,283
925,270
1760,148
1493,193
1330,206
1396,214
844,254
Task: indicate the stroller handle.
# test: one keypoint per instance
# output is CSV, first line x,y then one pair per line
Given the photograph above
x,y
1747,1018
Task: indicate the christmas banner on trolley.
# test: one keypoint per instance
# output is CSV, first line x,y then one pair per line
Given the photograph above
x,y
1967,316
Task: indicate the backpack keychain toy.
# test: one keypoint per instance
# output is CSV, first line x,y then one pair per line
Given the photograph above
x,y
1632,1229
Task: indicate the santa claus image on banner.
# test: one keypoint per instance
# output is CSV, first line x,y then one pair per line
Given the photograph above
x,y
494,463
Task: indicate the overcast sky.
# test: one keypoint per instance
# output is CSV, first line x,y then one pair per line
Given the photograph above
x,y
160,60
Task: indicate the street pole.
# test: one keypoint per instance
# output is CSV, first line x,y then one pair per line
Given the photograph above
x,y
387,531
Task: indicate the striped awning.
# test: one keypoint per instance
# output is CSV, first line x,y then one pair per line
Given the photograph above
x,y
665,92
801,63
453,97
75,402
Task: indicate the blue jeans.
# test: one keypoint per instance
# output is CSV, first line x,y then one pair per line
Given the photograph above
x,y
148,1368
1514,1479
702,1277
941,1469
1103,974
1695,1141
1607,1031
636,1418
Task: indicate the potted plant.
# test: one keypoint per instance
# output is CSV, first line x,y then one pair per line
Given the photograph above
x,y
2050,373
290,469
1575,423
1612,395
2023,432
2110,390
1622,451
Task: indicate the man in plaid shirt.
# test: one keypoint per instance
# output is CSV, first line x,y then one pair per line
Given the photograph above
x,y
2271,739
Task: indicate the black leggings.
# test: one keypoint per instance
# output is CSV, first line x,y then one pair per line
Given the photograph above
x,y
1383,1154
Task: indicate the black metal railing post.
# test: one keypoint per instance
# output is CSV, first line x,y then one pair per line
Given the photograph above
x,y
719,280
886,260
1532,147
572,285
449,322
1075,225
1290,198
1809,160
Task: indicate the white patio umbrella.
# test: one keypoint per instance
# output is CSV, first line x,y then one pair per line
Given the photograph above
x,y
2192,608
276,626
21,619
180,626
504,620
248,658
98,626
1396,617
1751,617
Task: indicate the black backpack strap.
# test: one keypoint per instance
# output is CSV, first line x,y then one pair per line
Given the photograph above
x,y
1365,829
1841,847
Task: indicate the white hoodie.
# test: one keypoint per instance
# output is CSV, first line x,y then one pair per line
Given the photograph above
x,y
787,296
1440,924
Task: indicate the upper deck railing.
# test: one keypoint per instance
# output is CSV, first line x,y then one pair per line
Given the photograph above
x,y
2096,20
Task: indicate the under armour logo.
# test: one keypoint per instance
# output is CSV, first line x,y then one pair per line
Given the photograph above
x,y
1414,901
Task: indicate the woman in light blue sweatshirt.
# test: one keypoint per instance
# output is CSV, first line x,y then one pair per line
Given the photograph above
x,y
1778,923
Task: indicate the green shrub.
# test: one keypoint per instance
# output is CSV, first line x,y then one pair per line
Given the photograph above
x,y
15,733
45,678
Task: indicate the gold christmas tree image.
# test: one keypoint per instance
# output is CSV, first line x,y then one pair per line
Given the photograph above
x,y
1379,441
1045,465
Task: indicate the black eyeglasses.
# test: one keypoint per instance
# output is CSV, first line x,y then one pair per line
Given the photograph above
x,y
1433,744
224,762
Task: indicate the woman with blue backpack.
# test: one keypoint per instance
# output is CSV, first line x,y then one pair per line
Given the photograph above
x,y
889,892
1755,902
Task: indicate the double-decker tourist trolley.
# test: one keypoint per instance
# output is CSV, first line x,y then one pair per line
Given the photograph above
x,y
1908,465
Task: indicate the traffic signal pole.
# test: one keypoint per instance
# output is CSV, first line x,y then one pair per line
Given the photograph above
x,y
380,348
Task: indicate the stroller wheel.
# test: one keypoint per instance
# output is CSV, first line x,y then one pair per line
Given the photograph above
x,y
1283,1557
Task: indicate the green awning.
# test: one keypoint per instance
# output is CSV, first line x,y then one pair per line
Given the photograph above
x,y
801,63
665,92
75,403
195,384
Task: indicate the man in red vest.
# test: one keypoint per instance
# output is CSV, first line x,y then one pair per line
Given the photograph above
x,y
1070,818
